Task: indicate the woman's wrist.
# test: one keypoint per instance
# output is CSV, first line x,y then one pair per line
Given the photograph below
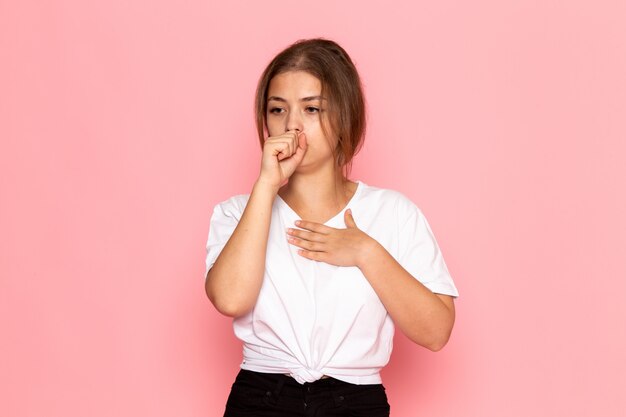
x,y
370,251
263,187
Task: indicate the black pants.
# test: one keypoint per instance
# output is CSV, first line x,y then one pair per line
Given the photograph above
x,y
277,395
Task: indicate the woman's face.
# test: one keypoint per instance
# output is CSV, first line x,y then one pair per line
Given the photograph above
x,y
294,102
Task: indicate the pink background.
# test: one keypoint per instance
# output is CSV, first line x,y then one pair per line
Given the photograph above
x,y
123,122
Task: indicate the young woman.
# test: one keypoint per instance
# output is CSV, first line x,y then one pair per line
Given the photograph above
x,y
316,268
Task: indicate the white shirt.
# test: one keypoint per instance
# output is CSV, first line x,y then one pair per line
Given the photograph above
x,y
313,319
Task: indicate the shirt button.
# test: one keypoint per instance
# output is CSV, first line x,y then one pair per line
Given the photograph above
x,y
308,389
341,398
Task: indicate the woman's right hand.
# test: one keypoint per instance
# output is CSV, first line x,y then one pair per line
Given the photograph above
x,y
234,281
281,156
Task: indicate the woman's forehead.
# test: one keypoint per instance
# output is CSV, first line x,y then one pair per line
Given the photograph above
x,y
298,84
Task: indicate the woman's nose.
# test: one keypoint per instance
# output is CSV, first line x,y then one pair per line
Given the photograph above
x,y
294,122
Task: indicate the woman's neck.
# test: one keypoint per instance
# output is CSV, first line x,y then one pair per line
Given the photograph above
x,y
318,197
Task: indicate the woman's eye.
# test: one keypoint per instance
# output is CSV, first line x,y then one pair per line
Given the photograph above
x,y
276,110
311,109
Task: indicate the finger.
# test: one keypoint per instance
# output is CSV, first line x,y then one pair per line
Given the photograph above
x,y
298,156
281,150
314,227
287,153
292,136
305,244
285,137
280,147
302,143
347,216
289,137
312,255
306,235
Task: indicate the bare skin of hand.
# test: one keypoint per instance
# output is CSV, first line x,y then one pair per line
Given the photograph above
x,y
281,156
425,317
340,247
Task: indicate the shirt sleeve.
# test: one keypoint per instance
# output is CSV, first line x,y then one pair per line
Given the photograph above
x,y
420,255
226,216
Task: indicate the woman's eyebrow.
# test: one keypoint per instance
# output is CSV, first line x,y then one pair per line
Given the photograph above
x,y
312,98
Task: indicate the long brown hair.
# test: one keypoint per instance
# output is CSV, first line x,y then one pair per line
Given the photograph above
x,y
341,86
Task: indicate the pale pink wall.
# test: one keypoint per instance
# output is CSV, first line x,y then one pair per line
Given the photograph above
x,y
123,122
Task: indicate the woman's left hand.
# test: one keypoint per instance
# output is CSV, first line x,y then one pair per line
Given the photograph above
x,y
341,247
